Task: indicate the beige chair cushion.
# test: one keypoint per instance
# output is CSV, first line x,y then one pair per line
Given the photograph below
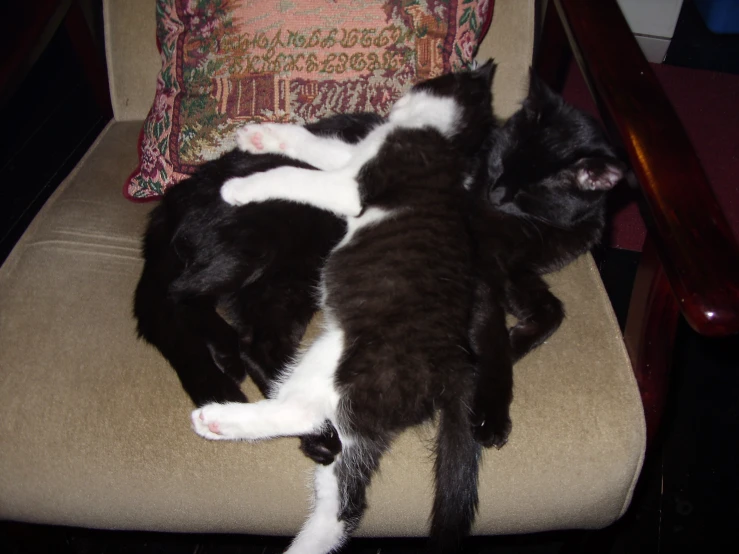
x,y
94,427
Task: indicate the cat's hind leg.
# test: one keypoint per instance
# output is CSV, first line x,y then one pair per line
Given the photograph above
x,y
259,420
322,448
323,531
300,405
340,497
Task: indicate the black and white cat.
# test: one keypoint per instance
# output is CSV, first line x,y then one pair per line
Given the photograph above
x,y
207,263
349,364
539,207
538,204
229,291
397,296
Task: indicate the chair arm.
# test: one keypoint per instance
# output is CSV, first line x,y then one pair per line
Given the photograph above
x,y
693,239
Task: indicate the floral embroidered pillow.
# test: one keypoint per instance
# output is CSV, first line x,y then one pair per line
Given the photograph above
x,y
226,63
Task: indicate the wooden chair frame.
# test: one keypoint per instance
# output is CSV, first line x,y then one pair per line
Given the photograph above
x,y
690,260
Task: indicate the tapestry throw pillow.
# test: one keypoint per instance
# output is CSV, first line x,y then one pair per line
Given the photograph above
x,y
226,63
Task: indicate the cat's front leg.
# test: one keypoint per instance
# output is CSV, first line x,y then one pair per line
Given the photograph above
x,y
490,415
322,152
335,191
538,311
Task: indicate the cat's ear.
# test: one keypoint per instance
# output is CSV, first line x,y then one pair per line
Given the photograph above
x,y
540,95
599,173
487,70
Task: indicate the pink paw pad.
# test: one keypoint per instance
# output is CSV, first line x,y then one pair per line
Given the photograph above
x,y
214,427
256,140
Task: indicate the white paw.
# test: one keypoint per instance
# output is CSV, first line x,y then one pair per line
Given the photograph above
x,y
216,421
275,138
236,191
420,109
251,138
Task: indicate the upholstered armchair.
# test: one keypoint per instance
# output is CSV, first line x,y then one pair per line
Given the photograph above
x,y
94,427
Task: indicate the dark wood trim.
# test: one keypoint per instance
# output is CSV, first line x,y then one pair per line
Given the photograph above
x,y
25,30
89,57
650,334
692,238
690,261
553,53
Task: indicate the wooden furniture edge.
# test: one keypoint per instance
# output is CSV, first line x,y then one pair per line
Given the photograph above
x,y
693,240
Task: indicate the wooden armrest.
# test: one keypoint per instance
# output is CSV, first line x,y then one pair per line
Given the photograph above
x,y
693,239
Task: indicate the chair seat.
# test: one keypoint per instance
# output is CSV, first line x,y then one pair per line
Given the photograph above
x,y
94,427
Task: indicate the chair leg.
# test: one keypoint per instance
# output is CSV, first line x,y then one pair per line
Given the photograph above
x,y
650,334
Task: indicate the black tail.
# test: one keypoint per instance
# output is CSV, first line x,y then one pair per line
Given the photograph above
x,y
456,468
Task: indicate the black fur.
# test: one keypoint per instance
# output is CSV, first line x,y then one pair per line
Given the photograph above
x,y
199,258
226,291
542,206
528,216
401,291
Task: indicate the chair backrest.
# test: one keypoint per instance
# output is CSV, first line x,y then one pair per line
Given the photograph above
x,y
133,59
510,42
